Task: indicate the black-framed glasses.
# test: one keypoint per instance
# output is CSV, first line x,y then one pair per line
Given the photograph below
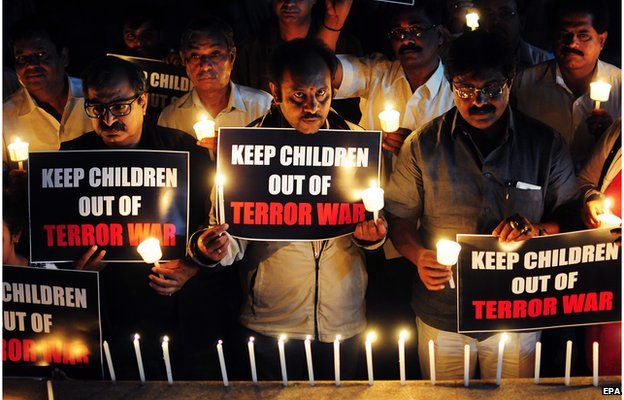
x,y
118,108
490,91
400,33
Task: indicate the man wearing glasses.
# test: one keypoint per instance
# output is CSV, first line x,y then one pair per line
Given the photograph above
x,y
557,92
481,168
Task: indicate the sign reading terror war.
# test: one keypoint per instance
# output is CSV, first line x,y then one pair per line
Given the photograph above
x,y
546,282
166,82
51,320
280,184
109,198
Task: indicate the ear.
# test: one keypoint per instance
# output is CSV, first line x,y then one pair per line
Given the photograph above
x,y
233,54
275,92
182,58
602,38
15,237
65,56
143,102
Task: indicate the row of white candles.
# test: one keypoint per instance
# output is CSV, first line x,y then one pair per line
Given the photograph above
x,y
370,338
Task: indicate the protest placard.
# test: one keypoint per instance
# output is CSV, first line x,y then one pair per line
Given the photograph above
x,y
279,184
110,198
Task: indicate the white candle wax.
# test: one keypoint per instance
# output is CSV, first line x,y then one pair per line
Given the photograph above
x,y
472,20
499,365
220,183
337,359
369,356
402,338
137,352
308,352
50,390
595,363
222,363
389,119
18,150
608,220
373,199
568,362
165,349
599,92
432,371
466,365
447,254
252,360
204,128
150,250
282,357
538,361
109,361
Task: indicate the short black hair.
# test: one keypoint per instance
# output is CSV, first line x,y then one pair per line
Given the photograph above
x,y
298,56
477,51
110,69
39,26
208,26
432,9
598,9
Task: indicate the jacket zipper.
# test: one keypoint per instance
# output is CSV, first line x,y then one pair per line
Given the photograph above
x,y
317,260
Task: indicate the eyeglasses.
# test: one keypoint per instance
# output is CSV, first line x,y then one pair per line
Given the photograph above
x,y
400,33
34,58
119,108
490,91
568,37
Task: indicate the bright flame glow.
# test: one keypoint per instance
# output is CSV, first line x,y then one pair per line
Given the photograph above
x,y
165,339
220,179
220,341
251,339
388,106
371,337
608,203
136,336
282,338
504,338
338,337
308,337
403,335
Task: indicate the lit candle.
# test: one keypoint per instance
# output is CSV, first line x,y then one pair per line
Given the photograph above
x,y
389,119
337,359
373,199
50,390
595,362
599,92
370,338
222,363
137,351
432,371
165,349
466,365
447,254
472,20
538,361
220,206
282,357
568,362
402,337
150,250
252,360
204,128
18,152
109,361
607,219
499,365
308,352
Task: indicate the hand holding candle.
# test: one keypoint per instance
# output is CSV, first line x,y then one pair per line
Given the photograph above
x,y
599,92
447,254
389,119
18,152
373,199
607,219
204,128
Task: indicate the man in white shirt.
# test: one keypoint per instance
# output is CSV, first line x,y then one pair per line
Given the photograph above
x,y
49,108
208,52
557,92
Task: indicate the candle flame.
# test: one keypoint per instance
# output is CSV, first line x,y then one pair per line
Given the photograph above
x,y
17,140
282,338
220,341
251,339
388,106
403,335
308,337
203,117
165,339
371,337
504,338
608,204
373,183
220,179
136,336
338,337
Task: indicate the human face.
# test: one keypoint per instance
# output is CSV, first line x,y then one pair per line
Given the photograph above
x,y
304,100
123,131
487,104
209,63
38,64
293,10
142,41
501,17
578,44
418,45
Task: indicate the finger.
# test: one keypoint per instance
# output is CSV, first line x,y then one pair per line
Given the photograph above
x,y
507,229
96,264
437,273
514,235
396,136
80,263
431,261
499,228
388,147
381,227
164,282
434,287
359,234
162,291
393,142
214,232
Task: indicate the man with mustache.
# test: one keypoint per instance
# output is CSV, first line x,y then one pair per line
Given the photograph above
x,y
557,92
207,50
302,288
467,172
48,109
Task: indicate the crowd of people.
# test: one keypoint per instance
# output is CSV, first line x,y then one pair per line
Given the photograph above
x,y
481,110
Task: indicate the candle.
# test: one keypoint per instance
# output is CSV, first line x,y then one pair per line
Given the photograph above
x,y
373,199
402,337
282,357
432,371
308,352
599,92
109,361
472,20
447,254
204,128
337,359
222,363
607,219
50,389
466,365
568,362
389,119
370,338
538,361
252,360
137,351
499,365
220,206
150,250
18,152
595,362
165,349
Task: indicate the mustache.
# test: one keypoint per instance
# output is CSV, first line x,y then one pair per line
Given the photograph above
x,y
410,47
567,50
310,115
116,126
484,109
206,74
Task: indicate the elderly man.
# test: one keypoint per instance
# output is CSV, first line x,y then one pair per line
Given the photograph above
x,y
48,109
300,288
207,50
135,297
464,173
557,92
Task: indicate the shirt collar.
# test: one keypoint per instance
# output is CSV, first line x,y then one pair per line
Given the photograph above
x,y
235,100
598,73
432,84
75,91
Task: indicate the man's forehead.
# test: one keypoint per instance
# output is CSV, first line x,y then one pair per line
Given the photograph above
x,y
410,18
480,77
576,20
33,44
317,79
200,41
110,92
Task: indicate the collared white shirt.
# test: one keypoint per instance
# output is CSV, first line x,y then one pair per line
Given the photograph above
x,y
244,106
528,55
380,82
541,93
23,118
